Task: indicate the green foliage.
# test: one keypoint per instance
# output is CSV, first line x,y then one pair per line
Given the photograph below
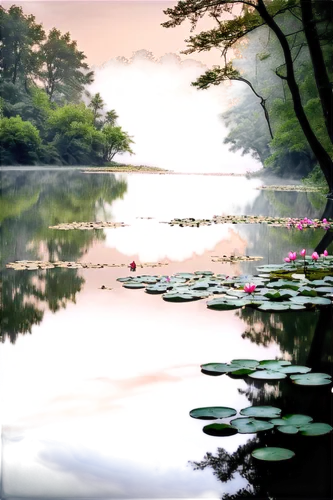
x,y
20,142
116,142
41,84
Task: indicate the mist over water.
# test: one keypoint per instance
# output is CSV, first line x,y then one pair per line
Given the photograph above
x,y
174,125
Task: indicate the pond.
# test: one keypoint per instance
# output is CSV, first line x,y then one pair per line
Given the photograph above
x,y
97,383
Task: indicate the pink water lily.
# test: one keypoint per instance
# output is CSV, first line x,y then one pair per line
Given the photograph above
x,y
286,259
250,287
167,279
324,221
315,256
303,252
325,253
292,255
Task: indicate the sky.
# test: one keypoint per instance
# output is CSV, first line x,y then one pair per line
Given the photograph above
x,y
174,126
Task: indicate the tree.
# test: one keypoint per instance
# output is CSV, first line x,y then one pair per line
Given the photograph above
x,y
20,34
116,142
64,72
111,117
254,14
96,104
20,142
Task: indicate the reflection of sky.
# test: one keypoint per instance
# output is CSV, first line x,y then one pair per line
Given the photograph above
x,y
95,401
167,197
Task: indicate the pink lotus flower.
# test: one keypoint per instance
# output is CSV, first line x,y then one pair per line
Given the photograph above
x,y
299,226
286,259
250,287
292,255
303,252
167,279
315,256
324,221
325,253
132,266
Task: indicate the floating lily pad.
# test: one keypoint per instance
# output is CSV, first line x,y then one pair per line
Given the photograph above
x,y
245,363
315,429
317,301
324,289
220,367
271,454
204,273
124,280
295,369
179,297
220,430
156,289
251,425
281,306
267,375
134,285
273,364
213,412
296,420
287,429
261,411
312,379
307,291
221,304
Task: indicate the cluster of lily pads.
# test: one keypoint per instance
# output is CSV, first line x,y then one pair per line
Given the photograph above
x,y
307,189
253,219
266,293
87,225
233,259
32,265
255,419
268,370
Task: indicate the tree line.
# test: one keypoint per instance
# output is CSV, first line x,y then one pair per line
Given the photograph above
x,y
295,125
43,85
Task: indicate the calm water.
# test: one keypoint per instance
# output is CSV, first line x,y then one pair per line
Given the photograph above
x,y
97,385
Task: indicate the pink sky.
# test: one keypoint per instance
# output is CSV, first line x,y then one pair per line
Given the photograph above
x,y
105,29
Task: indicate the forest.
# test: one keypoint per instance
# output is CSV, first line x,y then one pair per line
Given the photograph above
x,y
48,116
282,51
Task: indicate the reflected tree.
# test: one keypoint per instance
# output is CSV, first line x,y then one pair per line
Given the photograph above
x,y
32,201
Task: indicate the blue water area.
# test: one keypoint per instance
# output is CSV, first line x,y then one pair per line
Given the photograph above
x,y
64,471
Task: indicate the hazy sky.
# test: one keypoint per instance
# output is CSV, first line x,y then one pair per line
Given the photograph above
x,y
106,29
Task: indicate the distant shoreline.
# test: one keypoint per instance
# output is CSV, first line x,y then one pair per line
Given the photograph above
x,y
132,169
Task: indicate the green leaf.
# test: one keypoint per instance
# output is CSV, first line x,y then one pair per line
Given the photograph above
x,y
297,420
316,429
245,363
220,430
133,285
287,429
220,367
261,411
268,375
221,304
213,412
251,425
312,379
179,297
273,364
295,369
271,454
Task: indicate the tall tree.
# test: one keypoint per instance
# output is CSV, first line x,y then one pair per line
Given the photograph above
x,y
64,71
20,34
96,104
246,16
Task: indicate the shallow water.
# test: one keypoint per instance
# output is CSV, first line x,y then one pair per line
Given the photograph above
x,y
97,385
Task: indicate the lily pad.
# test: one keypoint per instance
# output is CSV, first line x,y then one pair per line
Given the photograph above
x,y
134,285
281,306
179,297
287,429
273,364
245,363
221,304
296,420
317,301
124,280
295,369
220,367
267,375
271,454
221,430
261,411
312,379
315,429
213,412
251,425
156,289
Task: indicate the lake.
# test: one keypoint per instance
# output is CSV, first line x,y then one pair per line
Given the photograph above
x,y
97,383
